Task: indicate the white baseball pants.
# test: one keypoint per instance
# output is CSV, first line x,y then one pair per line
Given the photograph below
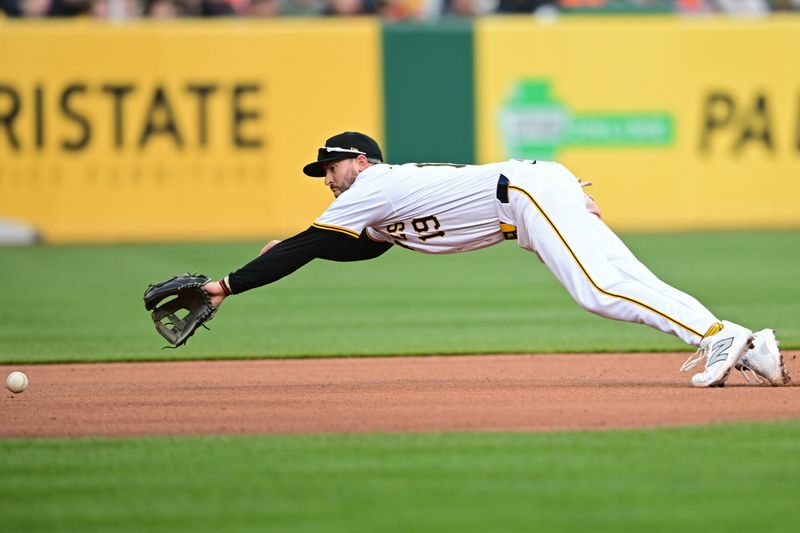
x,y
547,205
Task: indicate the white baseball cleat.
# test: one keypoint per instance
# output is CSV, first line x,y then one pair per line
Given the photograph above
x,y
723,345
763,363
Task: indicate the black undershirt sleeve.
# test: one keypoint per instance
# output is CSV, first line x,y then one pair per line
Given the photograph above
x,y
291,254
350,249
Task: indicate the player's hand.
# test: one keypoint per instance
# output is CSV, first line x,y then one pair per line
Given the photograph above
x,y
214,289
269,245
591,206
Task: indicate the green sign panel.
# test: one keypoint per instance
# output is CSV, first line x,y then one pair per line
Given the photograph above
x,y
535,125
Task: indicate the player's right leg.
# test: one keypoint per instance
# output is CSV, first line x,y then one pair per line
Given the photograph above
x,y
764,360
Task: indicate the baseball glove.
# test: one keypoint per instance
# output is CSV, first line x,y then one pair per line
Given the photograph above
x,y
179,293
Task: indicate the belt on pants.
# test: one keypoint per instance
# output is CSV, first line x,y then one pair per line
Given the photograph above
x,y
509,230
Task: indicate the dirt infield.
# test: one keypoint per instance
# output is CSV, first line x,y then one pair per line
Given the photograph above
x,y
464,393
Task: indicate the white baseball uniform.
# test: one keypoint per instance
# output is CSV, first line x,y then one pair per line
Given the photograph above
x,y
456,208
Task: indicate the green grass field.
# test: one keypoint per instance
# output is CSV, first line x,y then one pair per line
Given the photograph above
x,y
84,304
718,478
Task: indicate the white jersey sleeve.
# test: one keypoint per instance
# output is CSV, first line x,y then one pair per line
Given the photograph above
x,y
354,210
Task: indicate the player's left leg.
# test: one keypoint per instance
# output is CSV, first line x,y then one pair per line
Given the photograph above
x,y
592,263
761,363
604,277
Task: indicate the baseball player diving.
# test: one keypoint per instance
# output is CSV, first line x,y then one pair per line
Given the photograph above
x,y
448,208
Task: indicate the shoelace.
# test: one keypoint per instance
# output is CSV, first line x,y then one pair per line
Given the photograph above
x,y
693,360
750,375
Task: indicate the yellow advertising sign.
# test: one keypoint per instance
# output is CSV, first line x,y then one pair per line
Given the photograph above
x,y
192,130
680,123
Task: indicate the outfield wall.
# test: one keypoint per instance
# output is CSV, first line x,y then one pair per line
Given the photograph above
x,y
198,130
188,130
680,123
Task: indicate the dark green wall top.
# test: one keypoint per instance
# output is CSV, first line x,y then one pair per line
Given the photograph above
x,y
429,92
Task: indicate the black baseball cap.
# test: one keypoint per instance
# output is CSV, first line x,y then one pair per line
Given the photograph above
x,y
346,145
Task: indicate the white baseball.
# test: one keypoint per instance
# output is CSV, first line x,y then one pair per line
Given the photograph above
x,y
17,382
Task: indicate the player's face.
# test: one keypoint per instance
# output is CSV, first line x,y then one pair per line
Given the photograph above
x,y
340,175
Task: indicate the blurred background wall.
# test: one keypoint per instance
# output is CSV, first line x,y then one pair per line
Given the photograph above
x,y
196,127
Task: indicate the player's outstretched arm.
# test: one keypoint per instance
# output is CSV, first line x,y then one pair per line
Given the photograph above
x,y
215,288
357,249
279,259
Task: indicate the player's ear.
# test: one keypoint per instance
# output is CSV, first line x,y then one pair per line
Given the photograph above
x,y
362,162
